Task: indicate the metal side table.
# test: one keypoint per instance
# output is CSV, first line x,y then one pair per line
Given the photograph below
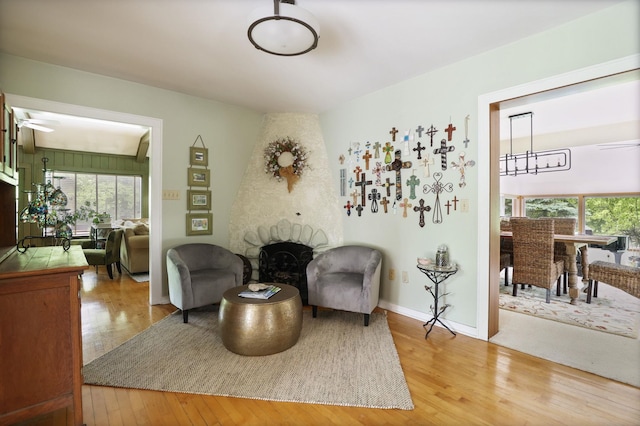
x,y
437,274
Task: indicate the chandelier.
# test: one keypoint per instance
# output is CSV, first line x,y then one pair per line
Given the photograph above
x,y
530,161
287,30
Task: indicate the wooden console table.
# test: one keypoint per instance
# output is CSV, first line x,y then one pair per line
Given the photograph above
x,y
40,333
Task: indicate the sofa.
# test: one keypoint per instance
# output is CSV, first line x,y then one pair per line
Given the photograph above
x,y
134,248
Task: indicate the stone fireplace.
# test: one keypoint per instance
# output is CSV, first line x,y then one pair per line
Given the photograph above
x,y
264,212
286,263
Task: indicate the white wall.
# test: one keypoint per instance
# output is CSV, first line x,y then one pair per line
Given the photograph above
x,y
594,170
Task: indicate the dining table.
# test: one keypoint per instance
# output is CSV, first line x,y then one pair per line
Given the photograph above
x,y
575,242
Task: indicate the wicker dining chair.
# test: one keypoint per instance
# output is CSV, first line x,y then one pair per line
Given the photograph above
x,y
565,226
506,249
533,255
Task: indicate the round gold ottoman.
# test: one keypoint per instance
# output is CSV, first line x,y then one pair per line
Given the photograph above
x,y
260,327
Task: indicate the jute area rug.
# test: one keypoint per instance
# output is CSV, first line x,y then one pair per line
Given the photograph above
x,y
613,311
337,361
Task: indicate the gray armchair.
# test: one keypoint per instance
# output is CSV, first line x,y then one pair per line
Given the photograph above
x,y
199,274
345,278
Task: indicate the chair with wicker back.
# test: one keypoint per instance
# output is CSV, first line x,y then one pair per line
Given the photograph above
x,y
564,226
533,254
506,249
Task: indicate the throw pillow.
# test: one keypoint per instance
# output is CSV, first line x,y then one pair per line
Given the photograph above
x,y
141,229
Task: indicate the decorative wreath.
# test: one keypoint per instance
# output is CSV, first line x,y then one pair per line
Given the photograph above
x,y
284,155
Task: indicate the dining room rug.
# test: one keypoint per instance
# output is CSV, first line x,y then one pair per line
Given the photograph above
x,y
336,361
613,311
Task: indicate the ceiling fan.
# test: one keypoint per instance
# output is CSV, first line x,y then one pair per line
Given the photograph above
x,y
36,124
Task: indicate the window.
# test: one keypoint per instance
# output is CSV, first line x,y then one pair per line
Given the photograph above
x,y
614,216
118,195
551,207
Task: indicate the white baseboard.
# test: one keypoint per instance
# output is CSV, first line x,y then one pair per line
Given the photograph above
x,y
458,328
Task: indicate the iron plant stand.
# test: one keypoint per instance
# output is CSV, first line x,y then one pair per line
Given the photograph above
x,y
437,275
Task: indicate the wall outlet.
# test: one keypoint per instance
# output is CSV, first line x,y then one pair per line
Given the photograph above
x,y
405,277
170,194
464,206
392,274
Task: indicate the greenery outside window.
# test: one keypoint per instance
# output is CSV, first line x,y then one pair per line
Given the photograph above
x,y
551,207
614,216
120,196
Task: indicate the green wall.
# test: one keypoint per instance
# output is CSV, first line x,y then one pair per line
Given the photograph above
x,y
451,93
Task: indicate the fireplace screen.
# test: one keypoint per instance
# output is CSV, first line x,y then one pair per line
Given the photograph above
x,y
286,263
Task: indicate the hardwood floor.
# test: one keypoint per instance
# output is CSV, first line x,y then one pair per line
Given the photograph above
x,y
453,380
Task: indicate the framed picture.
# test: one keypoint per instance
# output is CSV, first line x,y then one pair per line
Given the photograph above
x,y
198,200
198,177
199,223
199,156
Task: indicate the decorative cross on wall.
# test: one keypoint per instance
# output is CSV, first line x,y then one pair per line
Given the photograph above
x,y
466,131
443,153
348,206
437,188
384,203
422,208
412,182
377,170
357,171
374,197
393,134
387,185
419,131
405,141
376,150
366,158
355,194
450,129
388,149
448,206
462,165
455,203
419,150
397,166
426,162
363,186
432,131
359,210
404,205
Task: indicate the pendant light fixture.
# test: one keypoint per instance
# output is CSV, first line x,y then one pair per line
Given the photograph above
x,y
285,30
532,162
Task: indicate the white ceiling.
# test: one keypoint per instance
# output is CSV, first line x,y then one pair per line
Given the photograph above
x,y
200,47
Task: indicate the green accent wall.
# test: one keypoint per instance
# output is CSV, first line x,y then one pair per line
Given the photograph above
x,y
30,170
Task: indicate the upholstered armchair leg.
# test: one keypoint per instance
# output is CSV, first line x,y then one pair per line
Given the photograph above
x,y
589,289
566,282
110,271
185,316
366,320
119,267
515,289
314,311
506,276
595,288
548,300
